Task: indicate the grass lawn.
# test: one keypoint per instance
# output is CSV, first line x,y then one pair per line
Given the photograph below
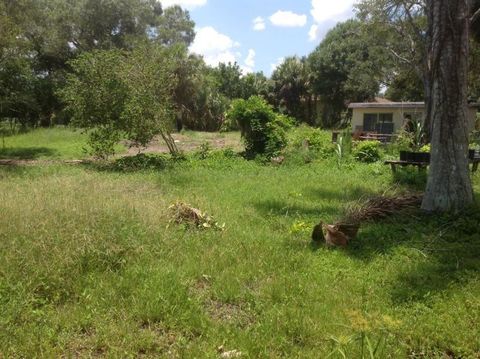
x,y
91,266
45,143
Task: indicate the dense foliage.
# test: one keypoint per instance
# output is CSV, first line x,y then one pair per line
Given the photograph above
x,y
122,94
367,151
263,130
357,59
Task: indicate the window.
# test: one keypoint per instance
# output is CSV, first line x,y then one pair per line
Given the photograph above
x,y
369,122
385,123
378,122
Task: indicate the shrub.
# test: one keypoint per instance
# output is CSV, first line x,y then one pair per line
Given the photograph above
x,y
475,139
306,144
426,149
316,139
264,131
367,151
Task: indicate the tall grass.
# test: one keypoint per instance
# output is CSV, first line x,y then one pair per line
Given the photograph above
x,y
90,264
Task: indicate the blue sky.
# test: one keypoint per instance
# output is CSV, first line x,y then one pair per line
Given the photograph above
x,y
259,33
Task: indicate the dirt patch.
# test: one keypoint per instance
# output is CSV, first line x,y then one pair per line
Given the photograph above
x,y
84,345
191,142
227,313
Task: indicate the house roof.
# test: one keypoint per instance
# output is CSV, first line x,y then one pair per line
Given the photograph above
x,y
417,105
402,105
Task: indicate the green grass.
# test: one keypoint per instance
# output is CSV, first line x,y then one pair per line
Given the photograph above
x,y
91,266
46,144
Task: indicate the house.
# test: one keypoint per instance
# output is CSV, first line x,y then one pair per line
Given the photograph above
x,y
386,117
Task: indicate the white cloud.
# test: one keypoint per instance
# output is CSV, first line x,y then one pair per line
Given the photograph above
x,y
313,33
250,60
288,19
274,66
249,65
259,24
326,14
214,46
188,4
323,10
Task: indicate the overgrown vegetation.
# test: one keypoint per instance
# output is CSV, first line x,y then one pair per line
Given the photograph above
x,y
367,151
89,266
263,130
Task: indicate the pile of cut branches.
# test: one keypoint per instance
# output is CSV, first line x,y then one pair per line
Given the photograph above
x,y
182,213
377,208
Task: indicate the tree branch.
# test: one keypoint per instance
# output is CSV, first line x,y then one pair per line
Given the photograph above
x,y
400,57
475,16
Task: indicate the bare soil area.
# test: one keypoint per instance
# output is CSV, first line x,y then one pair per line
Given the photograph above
x,y
191,141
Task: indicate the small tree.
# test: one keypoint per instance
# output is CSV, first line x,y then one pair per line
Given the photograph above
x,y
119,94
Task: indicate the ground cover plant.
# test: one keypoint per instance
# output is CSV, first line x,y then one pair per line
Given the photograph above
x,y
91,265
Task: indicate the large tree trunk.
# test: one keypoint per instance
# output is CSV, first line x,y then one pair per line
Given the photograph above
x,y
449,186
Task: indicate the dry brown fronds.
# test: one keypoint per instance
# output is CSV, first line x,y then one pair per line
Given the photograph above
x,y
373,209
183,213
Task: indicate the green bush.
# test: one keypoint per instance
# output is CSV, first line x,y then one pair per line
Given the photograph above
x,y
263,130
314,138
307,144
426,149
367,151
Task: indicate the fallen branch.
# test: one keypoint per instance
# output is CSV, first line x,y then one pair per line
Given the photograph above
x,y
377,208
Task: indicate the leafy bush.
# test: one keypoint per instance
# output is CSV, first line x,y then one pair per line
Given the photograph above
x,y
411,140
264,131
306,144
426,149
475,139
367,151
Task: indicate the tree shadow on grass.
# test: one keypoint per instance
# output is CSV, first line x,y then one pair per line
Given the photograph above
x,y
26,153
314,202
442,250
131,164
282,208
346,194
410,178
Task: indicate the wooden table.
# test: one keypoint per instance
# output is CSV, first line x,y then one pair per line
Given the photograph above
x,y
423,165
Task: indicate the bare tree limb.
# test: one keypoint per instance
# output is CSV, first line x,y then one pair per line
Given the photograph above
x,y
475,16
400,57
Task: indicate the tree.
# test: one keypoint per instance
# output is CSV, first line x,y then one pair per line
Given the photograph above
x,y
405,86
348,66
175,27
402,25
119,94
198,103
291,88
449,186
228,78
255,84
17,77
57,31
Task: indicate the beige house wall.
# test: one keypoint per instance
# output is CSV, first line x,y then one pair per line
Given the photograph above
x,y
399,116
